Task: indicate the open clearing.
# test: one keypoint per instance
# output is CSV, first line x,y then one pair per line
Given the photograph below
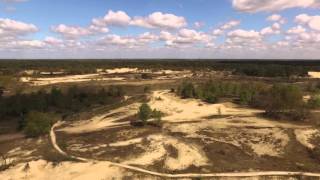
x,y
196,138
105,75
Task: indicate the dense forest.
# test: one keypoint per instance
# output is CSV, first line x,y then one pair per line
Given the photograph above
x,y
249,68
39,108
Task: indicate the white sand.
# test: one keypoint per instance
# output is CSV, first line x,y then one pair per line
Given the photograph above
x,y
314,74
305,135
126,143
102,122
188,154
40,170
121,70
178,109
67,79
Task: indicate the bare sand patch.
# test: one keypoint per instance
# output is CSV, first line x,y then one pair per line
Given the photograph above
x,y
103,121
39,170
315,75
177,109
304,136
121,70
126,143
188,154
68,79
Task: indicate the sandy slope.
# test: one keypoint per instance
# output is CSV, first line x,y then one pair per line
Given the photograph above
x,y
103,121
178,109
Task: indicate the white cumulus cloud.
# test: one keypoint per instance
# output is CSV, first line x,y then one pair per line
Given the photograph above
x,y
273,5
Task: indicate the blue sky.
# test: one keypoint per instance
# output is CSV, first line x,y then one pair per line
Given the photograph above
x,y
159,29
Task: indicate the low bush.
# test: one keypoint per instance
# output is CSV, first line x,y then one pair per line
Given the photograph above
x,y
314,102
145,113
38,123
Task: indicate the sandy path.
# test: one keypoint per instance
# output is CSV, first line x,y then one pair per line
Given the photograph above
x,y
188,175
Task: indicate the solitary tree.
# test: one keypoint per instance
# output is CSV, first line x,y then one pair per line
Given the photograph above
x,y
145,112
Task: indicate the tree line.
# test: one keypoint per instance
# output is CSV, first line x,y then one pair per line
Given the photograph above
x,y
26,107
249,68
278,100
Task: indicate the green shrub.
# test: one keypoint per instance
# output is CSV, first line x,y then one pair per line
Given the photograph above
x,y
187,90
314,102
145,112
211,99
38,123
157,115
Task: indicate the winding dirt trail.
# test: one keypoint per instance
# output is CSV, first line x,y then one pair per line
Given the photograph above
x,y
188,175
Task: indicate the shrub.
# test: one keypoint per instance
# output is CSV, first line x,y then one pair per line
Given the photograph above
x,y
245,97
284,99
314,102
38,123
187,90
157,115
145,112
211,99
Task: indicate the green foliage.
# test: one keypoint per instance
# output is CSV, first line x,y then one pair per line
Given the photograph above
x,y
157,115
211,91
245,97
279,100
249,68
145,112
286,100
314,102
210,98
38,123
187,90
6,81
75,99
282,98
115,91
